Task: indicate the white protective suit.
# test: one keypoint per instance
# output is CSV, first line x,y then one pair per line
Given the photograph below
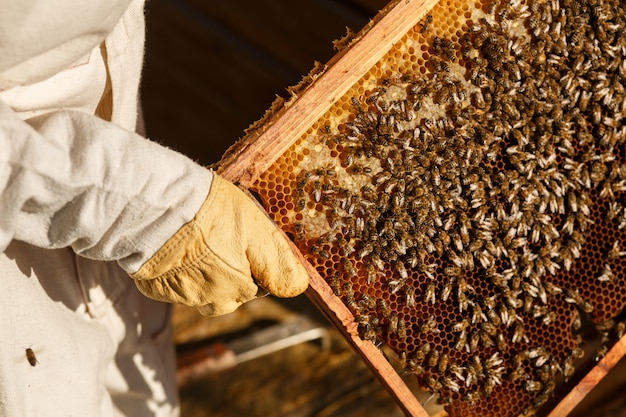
x,y
101,348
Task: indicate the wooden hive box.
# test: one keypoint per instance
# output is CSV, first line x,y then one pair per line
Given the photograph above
x,y
454,181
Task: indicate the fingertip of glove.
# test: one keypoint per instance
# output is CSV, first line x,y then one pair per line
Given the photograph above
x,y
294,281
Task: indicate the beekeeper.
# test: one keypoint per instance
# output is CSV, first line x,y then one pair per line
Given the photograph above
x,y
85,203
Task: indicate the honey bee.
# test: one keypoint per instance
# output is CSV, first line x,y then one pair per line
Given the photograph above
x,y
392,327
300,231
573,297
335,284
532,386
320,252
426,23
568,368
360,169
31,358
422,351
399,266
433,358
607,274
429,294
370,270
383,308
578,353
409,294
414,368
472,396
430,326
460,326
348,267
401,329
518,334
601,352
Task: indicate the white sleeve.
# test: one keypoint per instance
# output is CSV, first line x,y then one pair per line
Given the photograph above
x,y
72,179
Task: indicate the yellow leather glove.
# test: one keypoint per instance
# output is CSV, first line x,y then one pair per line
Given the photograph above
x,y
210,262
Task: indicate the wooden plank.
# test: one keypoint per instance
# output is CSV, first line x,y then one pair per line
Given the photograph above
x,y
589,381
262,147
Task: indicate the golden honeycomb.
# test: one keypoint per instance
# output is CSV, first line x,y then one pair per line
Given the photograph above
x,y
465,198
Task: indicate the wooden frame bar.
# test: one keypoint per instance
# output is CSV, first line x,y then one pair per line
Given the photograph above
x,y
589,381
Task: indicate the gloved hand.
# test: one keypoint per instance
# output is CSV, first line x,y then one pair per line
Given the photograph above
x,y
210,262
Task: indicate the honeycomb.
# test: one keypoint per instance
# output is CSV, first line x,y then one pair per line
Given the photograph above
x,y
465,198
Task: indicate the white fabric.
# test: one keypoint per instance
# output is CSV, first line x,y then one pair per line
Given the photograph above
x,y
83,202
102,348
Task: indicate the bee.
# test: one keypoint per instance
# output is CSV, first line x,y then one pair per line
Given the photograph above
x,y
472,396
446,291
348,267
568,368
460,326
433,383
359,169
300,231
574,297
532,386
516,374
392,327
370,270
422,351
383,308
335,284
518,334
348,291
430,326
320,252
317,191
601,352
450,384
426,23
463,302
401,329
414,368
578,353
461,341
429,294
607,274
501,342
399,266
30,357
433,358
409,295
444,360
540,359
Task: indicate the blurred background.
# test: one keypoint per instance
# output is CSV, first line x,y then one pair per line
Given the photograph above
x,y
213,68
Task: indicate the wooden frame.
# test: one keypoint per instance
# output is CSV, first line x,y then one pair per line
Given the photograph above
x,y
248,159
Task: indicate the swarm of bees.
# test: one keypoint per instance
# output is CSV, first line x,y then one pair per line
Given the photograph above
x,y
474,216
